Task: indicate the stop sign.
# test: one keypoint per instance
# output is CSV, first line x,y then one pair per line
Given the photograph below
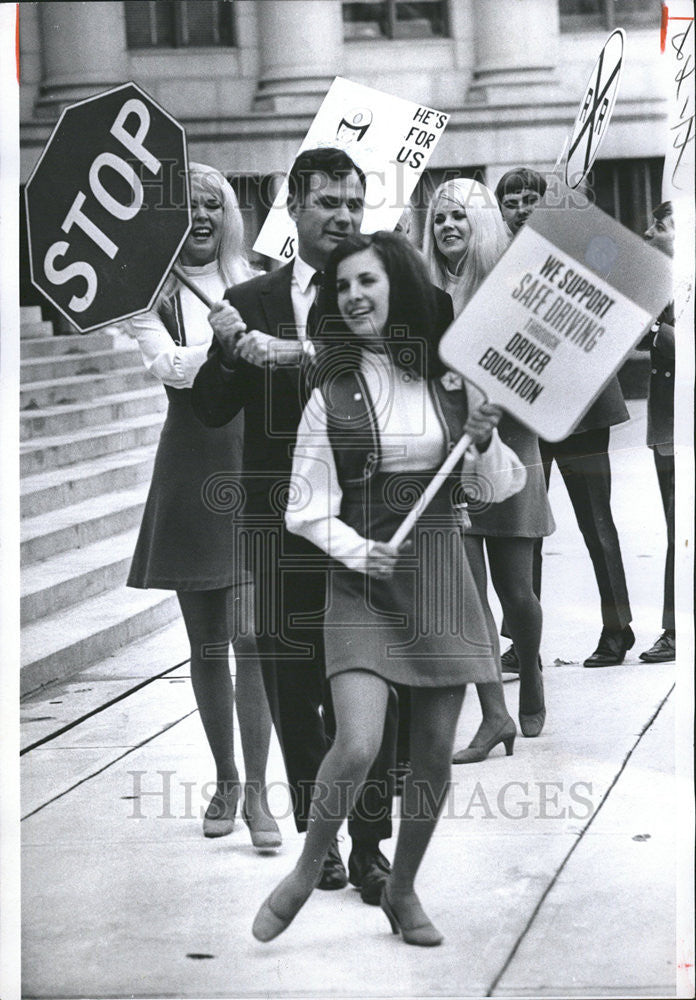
x,y
108,207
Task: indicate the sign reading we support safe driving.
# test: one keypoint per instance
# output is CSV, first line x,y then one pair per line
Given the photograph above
x,y
389,138
555,318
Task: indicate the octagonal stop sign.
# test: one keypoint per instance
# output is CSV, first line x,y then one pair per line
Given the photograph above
x,y
108,207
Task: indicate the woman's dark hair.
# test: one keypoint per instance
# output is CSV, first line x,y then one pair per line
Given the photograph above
x,y
327,160
662,211
517,180
411,336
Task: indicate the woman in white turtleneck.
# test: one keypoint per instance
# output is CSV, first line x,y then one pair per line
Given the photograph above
x,y
187,539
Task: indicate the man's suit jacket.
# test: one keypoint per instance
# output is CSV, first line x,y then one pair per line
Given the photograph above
x,y
661,386
272,399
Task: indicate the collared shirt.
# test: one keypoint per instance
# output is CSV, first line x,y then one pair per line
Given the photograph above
x,y
302,291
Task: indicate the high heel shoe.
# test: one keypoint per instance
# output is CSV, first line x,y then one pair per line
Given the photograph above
x,y
268,924
532,725
263,829
476,752
219,816
424,934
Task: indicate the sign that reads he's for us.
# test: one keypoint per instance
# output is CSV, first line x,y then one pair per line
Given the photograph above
x,y
108,207
556,317
389,138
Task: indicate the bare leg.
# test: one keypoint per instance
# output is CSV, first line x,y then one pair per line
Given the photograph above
x,y
435,712
205,616
511,572
491,696
253,712
360,702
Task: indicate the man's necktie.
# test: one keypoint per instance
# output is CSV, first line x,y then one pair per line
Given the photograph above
x,y
312,315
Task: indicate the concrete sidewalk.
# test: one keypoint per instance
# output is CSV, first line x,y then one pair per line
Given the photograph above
x,y
552,872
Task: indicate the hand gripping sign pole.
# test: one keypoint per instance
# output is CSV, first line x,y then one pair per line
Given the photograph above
x,y
108,208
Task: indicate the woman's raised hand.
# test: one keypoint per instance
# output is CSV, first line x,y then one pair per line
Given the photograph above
x,y
481,423
381,560
227,326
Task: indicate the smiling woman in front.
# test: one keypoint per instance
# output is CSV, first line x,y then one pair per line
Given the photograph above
x,y
377,426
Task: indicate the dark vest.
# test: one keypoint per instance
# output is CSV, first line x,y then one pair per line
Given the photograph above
x,y
354,433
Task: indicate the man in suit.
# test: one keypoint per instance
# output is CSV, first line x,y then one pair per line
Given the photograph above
x,y
583,460
255,363
660,235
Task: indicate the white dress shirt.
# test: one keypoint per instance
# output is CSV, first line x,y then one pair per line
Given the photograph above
x,y
303,293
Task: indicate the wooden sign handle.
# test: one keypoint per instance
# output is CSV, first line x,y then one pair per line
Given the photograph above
x,y
192,286
404,529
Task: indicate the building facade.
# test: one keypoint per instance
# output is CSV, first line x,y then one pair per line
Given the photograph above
x,y
245,78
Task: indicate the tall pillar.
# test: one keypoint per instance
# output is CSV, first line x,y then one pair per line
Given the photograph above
x,y
516,46
301,50
84,52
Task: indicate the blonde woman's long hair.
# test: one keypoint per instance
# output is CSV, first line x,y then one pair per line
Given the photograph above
x,y
234,267
488,241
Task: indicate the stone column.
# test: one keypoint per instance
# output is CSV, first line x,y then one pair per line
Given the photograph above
x,y
516,46
84,52
300,52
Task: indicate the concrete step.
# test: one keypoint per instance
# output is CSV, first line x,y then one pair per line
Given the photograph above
x,y
51,346
58,705
78,363
66,449
74,388
75,575
30,314
80,524
34,329
47,491
61,645
107,411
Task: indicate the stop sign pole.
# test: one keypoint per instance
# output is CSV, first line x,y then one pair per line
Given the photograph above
x,y
108,208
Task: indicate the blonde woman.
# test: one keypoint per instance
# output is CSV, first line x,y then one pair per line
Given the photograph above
x,y
465,236
187,540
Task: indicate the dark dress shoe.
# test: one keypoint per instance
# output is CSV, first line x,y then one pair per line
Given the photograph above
x,y
663,649
368,870
333,874
509,661
611,648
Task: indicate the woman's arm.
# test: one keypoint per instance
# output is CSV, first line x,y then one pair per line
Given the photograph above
x,y
494,474
315,495
170,363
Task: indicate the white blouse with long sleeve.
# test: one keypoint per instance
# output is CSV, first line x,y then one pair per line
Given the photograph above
x,y
411,439
173,364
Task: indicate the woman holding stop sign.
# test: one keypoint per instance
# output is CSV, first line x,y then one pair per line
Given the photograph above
x,y
187,539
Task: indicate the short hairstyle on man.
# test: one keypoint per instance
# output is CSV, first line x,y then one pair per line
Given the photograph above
x,y
662,211
517,180
327,160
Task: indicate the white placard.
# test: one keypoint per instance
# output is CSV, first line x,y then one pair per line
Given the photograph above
x,y
389,138
545,331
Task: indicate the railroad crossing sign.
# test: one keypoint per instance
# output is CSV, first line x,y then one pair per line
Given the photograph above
x,y
595,110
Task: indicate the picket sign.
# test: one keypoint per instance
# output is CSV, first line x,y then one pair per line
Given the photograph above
x,y
554,320
596,107
389,138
